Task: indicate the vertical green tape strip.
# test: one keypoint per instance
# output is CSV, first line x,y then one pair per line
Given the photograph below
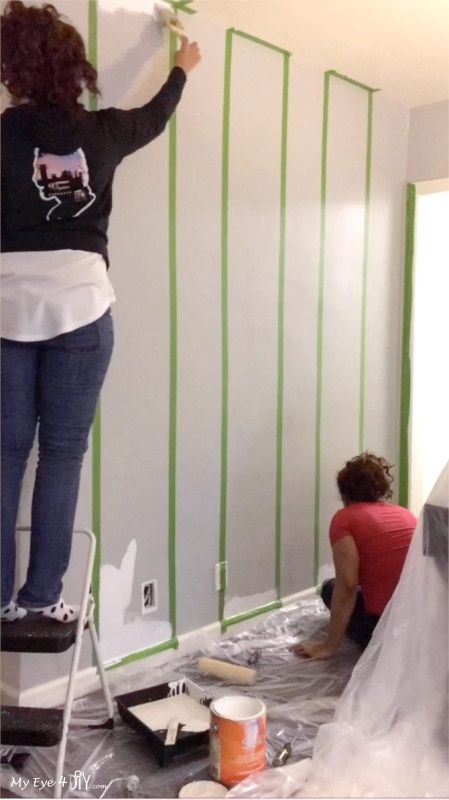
x,y
224,311
96,509
320,316
280,388
320,313
173,361
224,314
92,49
369,143
92,45
406,355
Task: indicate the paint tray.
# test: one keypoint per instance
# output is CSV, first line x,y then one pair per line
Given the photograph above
x,y
187,741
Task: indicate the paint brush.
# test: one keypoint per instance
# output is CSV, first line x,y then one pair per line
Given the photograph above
x,y
165,16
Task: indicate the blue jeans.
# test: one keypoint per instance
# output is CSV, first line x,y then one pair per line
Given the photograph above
x,y
55,384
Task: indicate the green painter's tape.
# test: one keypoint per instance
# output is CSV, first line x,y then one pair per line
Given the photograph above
x,y
256,612
230,33
281,315
96,509
406,357
224,310
320,314
92,54
92,45
262,42
171,644
183,5
369,144
173,360
96,431
351,81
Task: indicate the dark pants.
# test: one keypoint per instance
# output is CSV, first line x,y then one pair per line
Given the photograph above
x,y
53,384
361,624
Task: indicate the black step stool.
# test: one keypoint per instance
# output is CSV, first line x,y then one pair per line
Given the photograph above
x,y
47,727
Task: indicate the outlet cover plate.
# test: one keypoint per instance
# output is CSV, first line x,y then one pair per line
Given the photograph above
x,y
149,596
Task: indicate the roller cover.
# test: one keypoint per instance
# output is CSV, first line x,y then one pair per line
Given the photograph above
x,y
227,672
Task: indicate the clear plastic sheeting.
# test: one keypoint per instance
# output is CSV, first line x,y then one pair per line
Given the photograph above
x,y
300,696
275,783
390,733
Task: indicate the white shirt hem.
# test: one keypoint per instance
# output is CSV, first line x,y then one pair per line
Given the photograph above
x,y
16,337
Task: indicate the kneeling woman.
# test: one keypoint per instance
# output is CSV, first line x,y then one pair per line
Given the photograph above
x,y
370,538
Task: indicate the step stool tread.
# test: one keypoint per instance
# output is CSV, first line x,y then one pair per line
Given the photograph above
x,y
33,727
37,635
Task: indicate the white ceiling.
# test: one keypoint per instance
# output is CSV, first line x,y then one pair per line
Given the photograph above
x,y
400,46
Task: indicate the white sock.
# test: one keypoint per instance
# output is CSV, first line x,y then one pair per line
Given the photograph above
x,y
59,611
12,611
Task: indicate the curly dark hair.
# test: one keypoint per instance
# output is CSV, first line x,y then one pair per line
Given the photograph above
x,y
365,479
43,57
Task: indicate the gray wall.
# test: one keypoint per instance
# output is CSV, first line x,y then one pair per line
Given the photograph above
x,y
133,60
428,148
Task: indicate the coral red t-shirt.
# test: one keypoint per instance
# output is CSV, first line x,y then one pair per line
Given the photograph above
x,y
382,533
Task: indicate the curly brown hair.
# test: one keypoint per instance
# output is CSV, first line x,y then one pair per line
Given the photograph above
x,y
43,57
365,479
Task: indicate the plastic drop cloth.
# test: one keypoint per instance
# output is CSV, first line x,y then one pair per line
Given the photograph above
x,y
390,733
300,696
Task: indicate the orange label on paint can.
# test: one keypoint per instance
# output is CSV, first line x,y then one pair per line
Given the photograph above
x,y
237,738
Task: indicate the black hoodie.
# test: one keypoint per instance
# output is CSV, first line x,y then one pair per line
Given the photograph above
x,y
57,171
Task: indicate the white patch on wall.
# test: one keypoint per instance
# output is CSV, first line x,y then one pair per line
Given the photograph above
x,y
119,637
241,605
325,572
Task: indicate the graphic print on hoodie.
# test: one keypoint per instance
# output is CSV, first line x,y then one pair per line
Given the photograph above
x,y
64,181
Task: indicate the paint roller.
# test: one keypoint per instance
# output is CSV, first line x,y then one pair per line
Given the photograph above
x,y
165,16
227,672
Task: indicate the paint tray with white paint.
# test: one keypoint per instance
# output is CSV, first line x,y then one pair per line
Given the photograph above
x,y
178,707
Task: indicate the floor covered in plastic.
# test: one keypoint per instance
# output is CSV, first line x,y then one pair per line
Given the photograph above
x,y
300,695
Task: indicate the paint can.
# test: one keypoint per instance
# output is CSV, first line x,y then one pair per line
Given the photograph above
x,y
237,738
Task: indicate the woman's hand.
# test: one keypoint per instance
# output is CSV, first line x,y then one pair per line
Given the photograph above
x,y
188,56
310,649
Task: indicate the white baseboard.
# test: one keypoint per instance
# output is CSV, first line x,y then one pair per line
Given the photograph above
x,y
52,693
239,627
307,594
199,639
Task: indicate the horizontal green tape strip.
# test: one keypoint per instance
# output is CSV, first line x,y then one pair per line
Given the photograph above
x,y
171,644
182,5
256,40
351,80
256,612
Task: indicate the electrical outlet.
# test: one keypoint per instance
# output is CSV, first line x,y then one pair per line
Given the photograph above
x,y
149,596
221,576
